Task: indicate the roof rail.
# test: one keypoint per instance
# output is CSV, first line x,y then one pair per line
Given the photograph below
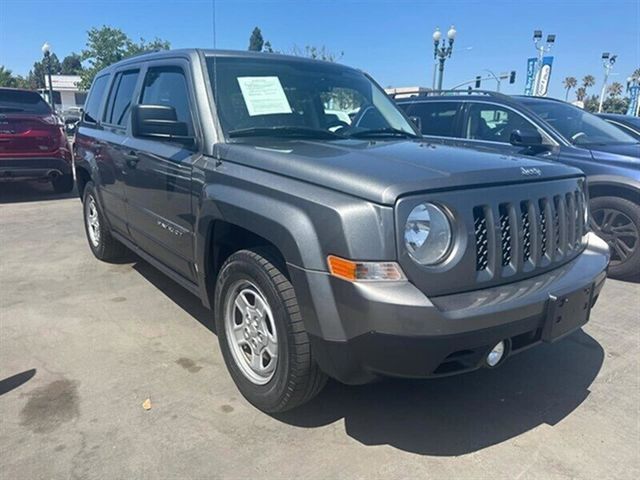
x,y
433,93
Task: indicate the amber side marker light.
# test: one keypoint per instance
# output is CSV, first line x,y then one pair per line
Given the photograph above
x,y
364,271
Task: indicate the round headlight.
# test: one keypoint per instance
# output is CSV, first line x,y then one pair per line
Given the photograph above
x,y
427,234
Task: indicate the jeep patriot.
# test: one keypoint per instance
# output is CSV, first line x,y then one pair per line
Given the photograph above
x,y
326,235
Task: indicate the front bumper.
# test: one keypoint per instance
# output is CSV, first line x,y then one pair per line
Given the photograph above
x,y
34,168
363,330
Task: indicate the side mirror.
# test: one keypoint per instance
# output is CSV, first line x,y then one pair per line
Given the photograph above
x,y
417,121
526,138
159,122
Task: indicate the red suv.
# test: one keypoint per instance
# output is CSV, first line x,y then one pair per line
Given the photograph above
x,y
33,145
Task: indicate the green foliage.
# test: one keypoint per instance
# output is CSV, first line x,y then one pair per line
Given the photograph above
x,y
36,77
256,42
107,45
71,65
317,53
615,89
569,83
610,105
588,81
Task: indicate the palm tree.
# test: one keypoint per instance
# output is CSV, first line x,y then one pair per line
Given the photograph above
x,y
588,81
581,93
636,73
569,83
615,89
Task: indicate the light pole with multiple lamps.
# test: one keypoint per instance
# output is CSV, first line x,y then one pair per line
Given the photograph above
x,y
541,48
46,51
442,50
608,61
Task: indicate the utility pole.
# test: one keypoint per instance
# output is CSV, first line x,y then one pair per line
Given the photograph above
x,y
541,49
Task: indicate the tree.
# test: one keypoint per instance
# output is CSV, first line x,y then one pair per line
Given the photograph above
x,y
36,77
317,53
71,65
615,89
569,83
610,104
107,45
256,42
581,93
6,78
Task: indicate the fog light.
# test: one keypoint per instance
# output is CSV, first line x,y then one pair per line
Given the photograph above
x,y
496,354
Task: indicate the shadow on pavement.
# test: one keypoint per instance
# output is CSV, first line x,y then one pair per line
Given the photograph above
x,y
462,414
15,381
446,416
180,296
16,192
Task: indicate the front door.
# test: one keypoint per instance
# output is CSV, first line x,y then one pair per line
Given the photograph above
x,y
158,175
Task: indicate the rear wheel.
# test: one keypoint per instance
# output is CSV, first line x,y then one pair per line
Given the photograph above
x,y
101,242
617,221
62,183
261,333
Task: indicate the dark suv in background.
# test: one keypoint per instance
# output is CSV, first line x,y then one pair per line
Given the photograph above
x,y
33,144
549,130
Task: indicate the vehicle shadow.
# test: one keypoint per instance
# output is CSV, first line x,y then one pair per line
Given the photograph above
x,y
177,294
446,416
466,413
17,192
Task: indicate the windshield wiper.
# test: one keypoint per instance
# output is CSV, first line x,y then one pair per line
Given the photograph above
x,y
383,131
284,131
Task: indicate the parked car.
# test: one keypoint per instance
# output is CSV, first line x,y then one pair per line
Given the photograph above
x,y
328,245
628,124
33,145
556,131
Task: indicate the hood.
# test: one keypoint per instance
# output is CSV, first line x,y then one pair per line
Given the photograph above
x,y
630,150
382,171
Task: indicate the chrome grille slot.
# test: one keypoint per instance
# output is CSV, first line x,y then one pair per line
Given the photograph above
x,y
482,238
505,234
526,231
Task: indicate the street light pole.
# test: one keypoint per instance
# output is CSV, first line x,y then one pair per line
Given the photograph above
x,y
46,50
541,49
608,61
442,50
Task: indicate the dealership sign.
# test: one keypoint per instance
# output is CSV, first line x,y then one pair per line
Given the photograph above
x,y
544,75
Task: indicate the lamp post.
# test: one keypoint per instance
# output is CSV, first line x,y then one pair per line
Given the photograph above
x,y
46,51
541,49
608,61
442,50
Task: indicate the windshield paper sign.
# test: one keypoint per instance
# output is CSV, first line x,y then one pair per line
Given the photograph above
x,y
263,95
531,73
544,76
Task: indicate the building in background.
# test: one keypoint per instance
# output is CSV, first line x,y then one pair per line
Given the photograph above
x,y
66,94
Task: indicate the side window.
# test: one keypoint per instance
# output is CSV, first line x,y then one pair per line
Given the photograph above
x,y
119,105
493,123
438,118
168,86
92,105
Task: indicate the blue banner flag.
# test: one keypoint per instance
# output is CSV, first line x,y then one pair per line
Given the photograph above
x,y
531,75
634,98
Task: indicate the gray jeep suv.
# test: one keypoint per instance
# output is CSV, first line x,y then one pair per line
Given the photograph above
x,y
327,236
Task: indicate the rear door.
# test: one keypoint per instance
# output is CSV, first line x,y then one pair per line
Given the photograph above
x,y
158,173
112,163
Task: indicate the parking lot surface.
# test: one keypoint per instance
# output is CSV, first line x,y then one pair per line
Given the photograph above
x,y
83,344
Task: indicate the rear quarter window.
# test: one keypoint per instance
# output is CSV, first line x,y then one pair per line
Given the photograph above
x,y
22,101
92,105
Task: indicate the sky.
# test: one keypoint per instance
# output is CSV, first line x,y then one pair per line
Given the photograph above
x,y
391,40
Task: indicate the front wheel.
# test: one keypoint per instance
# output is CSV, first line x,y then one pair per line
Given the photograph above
x,y
261,333
617,221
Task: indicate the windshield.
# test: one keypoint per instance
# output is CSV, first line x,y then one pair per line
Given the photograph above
x,y
280,97
576,125
20,101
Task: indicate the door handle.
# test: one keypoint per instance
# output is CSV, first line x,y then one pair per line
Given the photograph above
x,y
131,157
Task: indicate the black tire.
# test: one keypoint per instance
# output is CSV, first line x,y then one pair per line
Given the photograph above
x,y
297,378
106,248
609,216
62,184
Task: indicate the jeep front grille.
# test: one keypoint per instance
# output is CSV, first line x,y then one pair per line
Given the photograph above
x,y
524,240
